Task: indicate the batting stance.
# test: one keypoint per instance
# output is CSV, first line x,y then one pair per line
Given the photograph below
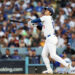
x,y
51,40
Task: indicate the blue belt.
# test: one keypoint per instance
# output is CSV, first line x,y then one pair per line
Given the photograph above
x,y
49,35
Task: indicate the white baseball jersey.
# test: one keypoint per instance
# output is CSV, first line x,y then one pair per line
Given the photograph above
x,y
48,25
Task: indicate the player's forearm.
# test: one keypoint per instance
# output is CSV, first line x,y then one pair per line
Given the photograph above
x,y
36,20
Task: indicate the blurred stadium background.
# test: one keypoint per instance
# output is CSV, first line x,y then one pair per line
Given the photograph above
x,y
21,44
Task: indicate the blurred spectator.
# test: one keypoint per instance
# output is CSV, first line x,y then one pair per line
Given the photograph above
x,y
22,44
28,41
29,51
42,42
1,32
61,69
6,55
72,70
29,8
72,40
67,9
16,55
61,41
57,64
35,59
4,28
0,54
26,26
12,43
73,60
16,42
72,3
14,17
69,51
72,22
67,59
16,30
61,16
39,7
8,7
3,41
63,3
29,54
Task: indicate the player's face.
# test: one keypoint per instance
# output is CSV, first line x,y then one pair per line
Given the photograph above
x,y
47,12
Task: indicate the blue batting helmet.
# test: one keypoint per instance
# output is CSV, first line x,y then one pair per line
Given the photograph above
x,y
49,9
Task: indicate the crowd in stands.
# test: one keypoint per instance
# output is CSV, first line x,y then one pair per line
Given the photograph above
x,y
16,31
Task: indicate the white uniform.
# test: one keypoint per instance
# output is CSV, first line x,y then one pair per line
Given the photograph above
x,y
48,27
50,43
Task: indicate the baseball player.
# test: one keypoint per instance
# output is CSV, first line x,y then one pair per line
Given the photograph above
x,y
51,40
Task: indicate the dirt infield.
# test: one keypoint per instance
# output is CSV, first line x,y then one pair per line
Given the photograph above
x,y
37,74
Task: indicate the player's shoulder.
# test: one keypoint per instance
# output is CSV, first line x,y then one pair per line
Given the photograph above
x,y
46,16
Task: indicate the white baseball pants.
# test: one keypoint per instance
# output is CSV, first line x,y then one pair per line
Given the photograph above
x,y
50,48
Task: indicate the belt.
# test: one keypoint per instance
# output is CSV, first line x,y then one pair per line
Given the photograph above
x,y
49,35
